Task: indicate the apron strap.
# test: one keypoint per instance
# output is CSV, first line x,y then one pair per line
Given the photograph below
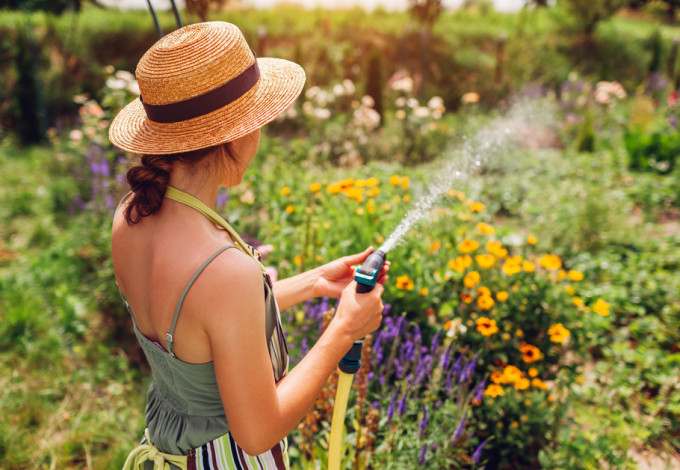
x,y
150,452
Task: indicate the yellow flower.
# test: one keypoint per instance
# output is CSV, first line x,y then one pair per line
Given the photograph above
x,y
423,292
522,384
468,246
512,374
485,261
465,297
373,192
459,194
372,182
558,333
285,191
485,302
519,332
334,188
502,296
404,283
533,372
577,301
290,209
360,211
524,418
498,377
551,262
569,290
379,239
538,383
514,424
348,183
601,307
359,183
355,193
530,353
477,207
394,180
406,198
486,229
496,249
471,279
486,326
315,187
561,274
483,291
494,390
435,245
575,276
370,206
531,240
404,182
386,207
297,260
512,265
465,260
528,266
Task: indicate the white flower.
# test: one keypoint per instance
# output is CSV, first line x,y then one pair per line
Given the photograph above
x,y
322,113
617,89
133,87
338,90
76,135
405,84
349,86
436,114
348,146
308,108
400,102
412,103
435,102
602,97
248,197
311,93
124,75
116,83
80,99
368,101
291,112
421,111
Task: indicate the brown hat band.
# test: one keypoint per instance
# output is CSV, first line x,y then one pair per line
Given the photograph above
x,y
207,102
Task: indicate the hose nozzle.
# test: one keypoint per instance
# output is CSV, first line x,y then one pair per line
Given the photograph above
x,y
367,274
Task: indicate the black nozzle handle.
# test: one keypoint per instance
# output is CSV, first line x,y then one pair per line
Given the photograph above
x,y
351,362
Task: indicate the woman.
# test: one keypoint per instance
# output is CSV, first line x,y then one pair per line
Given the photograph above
x,y
207,315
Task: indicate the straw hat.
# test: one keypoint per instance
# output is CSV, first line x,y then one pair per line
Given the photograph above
x,y
202,86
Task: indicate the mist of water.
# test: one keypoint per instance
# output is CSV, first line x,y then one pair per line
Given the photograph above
x,y
516,126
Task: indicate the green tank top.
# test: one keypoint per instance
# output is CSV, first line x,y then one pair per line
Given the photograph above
x,y
184,412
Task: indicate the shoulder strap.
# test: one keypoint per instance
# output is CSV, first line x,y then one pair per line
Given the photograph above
x,y
121,203
189,200
168,336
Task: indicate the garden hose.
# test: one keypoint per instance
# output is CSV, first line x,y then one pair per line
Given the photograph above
x,y
366,276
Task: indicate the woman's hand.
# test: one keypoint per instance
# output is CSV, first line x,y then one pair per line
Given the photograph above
x,y
336,275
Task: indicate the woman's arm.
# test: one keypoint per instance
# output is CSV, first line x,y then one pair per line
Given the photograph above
x,y
296,289
261,413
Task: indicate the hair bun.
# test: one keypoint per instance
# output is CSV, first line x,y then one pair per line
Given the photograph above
x,y
148,183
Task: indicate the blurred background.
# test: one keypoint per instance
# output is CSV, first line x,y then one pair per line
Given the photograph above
x,y
532,317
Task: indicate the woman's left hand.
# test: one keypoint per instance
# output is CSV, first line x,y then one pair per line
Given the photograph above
x,y
334,276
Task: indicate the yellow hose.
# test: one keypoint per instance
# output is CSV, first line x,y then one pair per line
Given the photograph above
x,y
338,424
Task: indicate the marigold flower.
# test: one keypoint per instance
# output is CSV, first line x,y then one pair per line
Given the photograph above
x,y
379,239
485,302
496,249
512,265
512,374
519,332
601,307
435,245
456,265
346,184
447,325
334,188
551,262
355,193
522,384
533,372
394,180
561,274
498,377
514,424
486,326
485,261
494,390
485,229
360,211
404,183
423,292
558,333
465,297
471,279
372,182
297,260
538,383
531,240
404,283
315,187
290,209
569,290
577,301
373,192
483,291
359,183
528,266
370,206
502,296
285,191
468,246
477,207
575,276
530,353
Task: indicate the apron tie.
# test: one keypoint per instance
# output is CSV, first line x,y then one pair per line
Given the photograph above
x,y
150,452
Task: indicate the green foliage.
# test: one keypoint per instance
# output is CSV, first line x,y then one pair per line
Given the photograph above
x,y
586,135
590,12
654,150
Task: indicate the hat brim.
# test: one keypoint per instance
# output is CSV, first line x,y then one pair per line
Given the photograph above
x,y
280,83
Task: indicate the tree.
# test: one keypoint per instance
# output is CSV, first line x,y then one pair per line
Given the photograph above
x,y
374,82
202,7
591,12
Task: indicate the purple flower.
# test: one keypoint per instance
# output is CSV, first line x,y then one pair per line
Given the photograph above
x,y
423,421
479,390
433,447
370,376
434,347
376,405
402,404
386,309
381,380
457,368
421,459
390,407
222,199
304,349
400,326
470,371
437,405
672,121
446,358
459,430
478,452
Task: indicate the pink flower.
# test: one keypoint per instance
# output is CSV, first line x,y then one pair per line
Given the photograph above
x,y
264,250
273,273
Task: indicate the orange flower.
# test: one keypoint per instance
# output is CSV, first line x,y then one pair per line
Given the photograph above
x,y
435,245
498,377
315,187
447,325
551,262
429,312
569,290
486,326
394,180
530,353
404,283
496,249
558,333
334,188
290,209
485,229
423,292
538,383
494,390
533,372
285,191
404,183
373,192
512,374
485,302
512,265
575,276
485,261
531,240
528,266
465,297
502,296
577,301
468,246
522,384
471,279
601,307
477,207
483,291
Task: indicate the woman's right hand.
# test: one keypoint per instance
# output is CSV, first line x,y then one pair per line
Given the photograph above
x,y
360,314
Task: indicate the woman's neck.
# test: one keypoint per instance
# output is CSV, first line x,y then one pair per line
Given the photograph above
x,y
202,183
